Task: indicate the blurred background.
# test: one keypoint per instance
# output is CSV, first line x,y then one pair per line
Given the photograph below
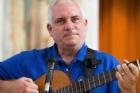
x,y
23,25
114,27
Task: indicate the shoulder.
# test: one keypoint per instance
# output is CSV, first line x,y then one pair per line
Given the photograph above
x,y
105,56
102,55
27,55
107,60
31,63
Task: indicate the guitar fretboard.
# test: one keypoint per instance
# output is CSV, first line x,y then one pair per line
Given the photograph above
x,y
84,86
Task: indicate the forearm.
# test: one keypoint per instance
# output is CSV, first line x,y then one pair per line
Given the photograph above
x,y
3,85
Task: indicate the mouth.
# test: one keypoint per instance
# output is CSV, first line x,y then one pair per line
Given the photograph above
x,y
70,35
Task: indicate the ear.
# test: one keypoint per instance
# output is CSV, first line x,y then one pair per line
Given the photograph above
x,y
49,27
85,22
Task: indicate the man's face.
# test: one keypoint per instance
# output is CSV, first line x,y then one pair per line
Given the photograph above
x,y
68,26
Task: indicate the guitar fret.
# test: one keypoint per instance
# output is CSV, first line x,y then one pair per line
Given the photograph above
x,y
102,80
61,90
64,90
138,63
75,87
71,88
80,87
93,82
110,75
68,90
107,77
99,79
89,83
104,77
51,92
56,91
84,85
113,74
96,81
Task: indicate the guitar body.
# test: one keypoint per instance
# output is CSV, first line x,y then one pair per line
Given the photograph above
x,y
60,79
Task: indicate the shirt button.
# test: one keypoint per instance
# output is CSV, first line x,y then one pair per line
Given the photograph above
x,y
67,69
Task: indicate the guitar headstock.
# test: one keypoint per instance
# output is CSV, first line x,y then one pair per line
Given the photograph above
x,y
136,62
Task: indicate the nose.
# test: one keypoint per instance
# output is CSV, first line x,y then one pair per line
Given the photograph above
x,y
69,25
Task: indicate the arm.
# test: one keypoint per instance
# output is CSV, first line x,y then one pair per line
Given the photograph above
x,y
21,85
127,77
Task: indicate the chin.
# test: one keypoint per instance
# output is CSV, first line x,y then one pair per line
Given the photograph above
x,y
71,44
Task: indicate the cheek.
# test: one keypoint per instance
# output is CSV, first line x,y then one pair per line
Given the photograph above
x,y
57,32
83,31
56,35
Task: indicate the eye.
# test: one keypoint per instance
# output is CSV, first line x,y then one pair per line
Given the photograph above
x,y
60,21
76,19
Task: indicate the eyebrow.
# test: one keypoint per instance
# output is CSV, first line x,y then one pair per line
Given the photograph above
x,y
59,18
77,16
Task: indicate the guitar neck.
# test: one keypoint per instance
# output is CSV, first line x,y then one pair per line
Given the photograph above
x,y
90,83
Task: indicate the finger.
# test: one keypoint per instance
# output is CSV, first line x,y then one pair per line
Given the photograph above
x,y
119,77
29,90
127,70
125,61
31,85
28,79
134,70
120,70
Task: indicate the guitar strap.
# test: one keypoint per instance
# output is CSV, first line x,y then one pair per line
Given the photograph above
x,y
49,76
91,62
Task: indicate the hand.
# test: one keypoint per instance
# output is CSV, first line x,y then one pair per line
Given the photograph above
x,y
127,76
21,85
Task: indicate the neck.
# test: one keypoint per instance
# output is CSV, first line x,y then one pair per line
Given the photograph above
x,y
68,53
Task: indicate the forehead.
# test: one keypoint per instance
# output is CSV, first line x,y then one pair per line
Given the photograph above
x,y
65,9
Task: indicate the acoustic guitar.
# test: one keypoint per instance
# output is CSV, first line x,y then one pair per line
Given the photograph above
x,y
62,84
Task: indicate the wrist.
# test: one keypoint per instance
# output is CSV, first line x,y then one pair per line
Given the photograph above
x,y
3,86
129,91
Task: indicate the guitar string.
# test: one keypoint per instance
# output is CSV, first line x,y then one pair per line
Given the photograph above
x,y
107,77
96,81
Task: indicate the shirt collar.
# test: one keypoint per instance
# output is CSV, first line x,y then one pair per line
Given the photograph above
x,y
55,53
80,55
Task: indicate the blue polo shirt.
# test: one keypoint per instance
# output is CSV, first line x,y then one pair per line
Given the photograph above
x,y
32,64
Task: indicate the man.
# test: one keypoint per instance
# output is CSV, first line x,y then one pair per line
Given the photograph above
x,y
67,26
